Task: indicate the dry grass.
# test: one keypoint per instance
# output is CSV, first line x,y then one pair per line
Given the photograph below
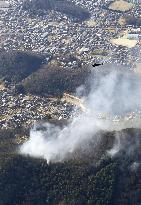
x,y
124,42
121,5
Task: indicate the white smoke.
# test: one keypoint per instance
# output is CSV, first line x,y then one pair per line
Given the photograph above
x,y
116,147
55,144
111,94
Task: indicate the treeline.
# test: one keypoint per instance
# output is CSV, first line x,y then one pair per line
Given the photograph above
x,y
63,6
29,181
8,143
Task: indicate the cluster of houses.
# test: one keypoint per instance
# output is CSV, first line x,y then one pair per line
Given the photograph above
x,y
60,35
56,33
24,110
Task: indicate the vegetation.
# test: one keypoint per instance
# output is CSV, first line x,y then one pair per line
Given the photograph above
x,y
100,52
89,178
63,6
31,181
8,143
16,65
132,20
28,73
54,80
28,181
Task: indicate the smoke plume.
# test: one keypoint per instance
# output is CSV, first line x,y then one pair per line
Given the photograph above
x,y
112,103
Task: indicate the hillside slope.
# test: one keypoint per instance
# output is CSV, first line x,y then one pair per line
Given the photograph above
x,y
55,80
109,181
63,6
16,65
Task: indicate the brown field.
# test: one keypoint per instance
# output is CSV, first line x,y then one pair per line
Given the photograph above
x,y
124,42
121,5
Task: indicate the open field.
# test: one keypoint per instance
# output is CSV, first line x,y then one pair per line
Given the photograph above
x,y
124,42
121,6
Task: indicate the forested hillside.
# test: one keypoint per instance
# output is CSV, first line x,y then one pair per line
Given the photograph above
x,y
63,6
31,74
55,80
16,65
109,181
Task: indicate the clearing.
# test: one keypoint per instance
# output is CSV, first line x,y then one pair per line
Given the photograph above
x,y
124,42
121,5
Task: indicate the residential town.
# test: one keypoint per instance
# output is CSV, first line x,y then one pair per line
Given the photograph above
x,y
25,110
56,34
